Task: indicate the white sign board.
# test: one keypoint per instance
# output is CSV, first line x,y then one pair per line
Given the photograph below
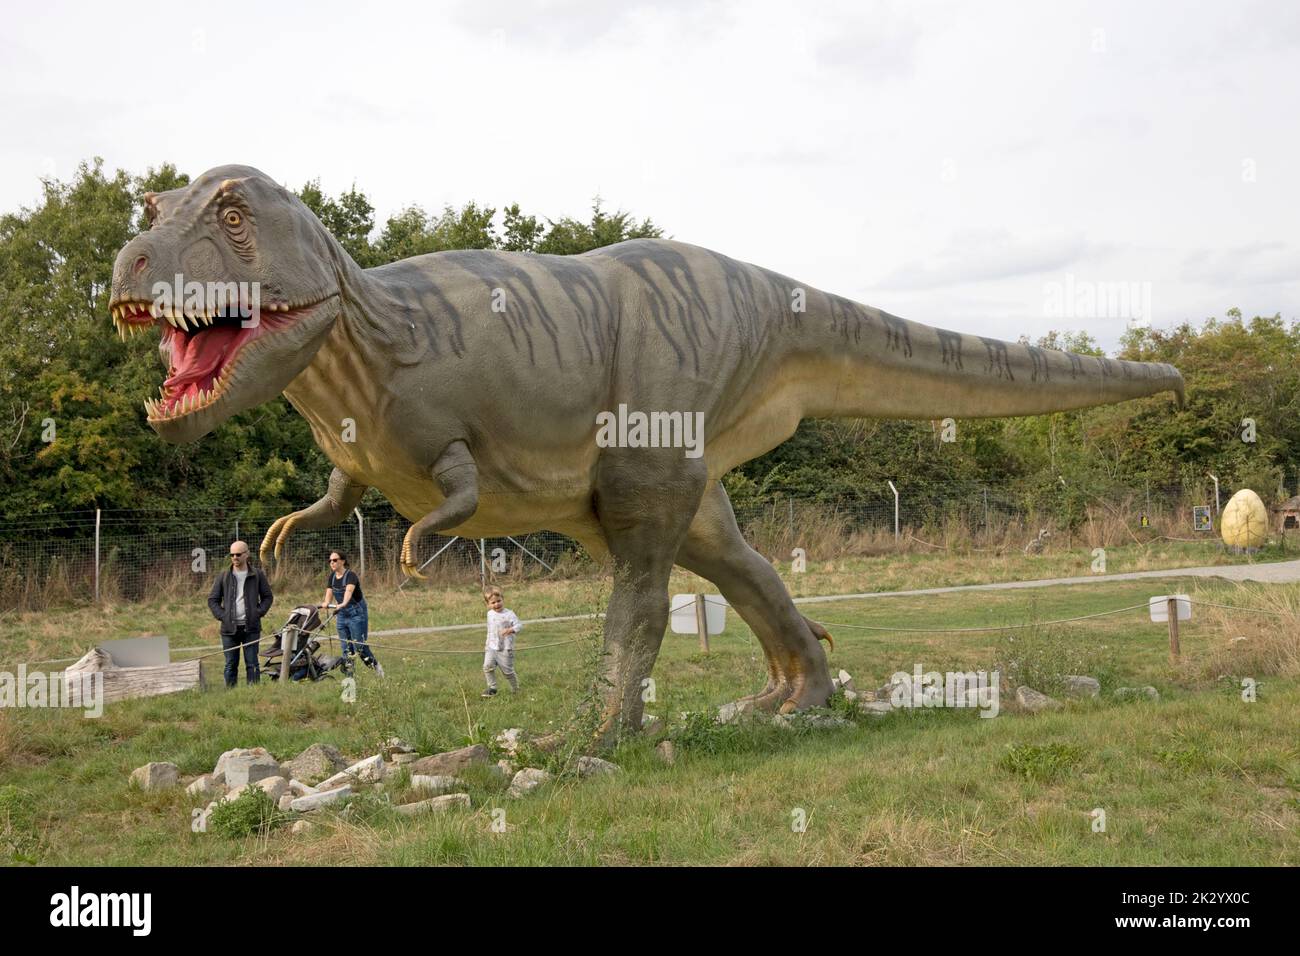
x,y
682,618
1159,607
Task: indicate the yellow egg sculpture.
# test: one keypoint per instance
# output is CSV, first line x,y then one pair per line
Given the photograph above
x,y
1244,523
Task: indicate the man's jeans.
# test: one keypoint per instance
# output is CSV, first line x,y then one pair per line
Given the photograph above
x,y
354,623
231,644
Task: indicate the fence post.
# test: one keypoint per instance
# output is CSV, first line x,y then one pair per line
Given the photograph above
x,y
236,529
895,491
1174,649
482,562
790,505
96,555
361,538
702,623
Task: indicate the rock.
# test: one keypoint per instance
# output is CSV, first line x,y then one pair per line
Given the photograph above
x,y
549,743
402,760
1033,701
821,721
432,783
850,695
238,752
286,802
730,713
314,801
396,745
506,767
511,740
434,805
1136,693
316,763
208,785
846,682
1075,685
243,769
156,776
369,770
300,827
300,789
528,780
594,766
452,762
885,692
651,725
666,751
876,708
835,685
274,787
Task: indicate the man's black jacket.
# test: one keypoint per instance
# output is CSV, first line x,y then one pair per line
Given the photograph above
x,y
257,600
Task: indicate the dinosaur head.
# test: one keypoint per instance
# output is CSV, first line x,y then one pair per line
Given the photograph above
x,y
243,282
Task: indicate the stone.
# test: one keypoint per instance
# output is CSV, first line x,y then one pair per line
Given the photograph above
x,y
300,789
249,768
238,752
300,826
846,682
396,745
314,801
506,767
286,802
1137,693
528,780
208,785
1034,701
850,695
156,776
1076,685
730,713
369,770
434,805
274,787
549,743
876,708
316,763
666,751
594,766
512,740
451,762
651,725
835,685
433,783
403,759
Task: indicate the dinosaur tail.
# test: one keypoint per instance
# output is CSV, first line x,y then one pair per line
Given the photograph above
x,y
874,365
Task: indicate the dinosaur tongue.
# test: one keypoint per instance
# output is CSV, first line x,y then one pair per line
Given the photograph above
x,y
198,358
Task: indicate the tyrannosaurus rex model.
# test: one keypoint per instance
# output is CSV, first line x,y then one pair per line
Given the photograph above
x,y
476,390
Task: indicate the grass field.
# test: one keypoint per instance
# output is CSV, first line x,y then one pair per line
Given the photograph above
x,y
1199,776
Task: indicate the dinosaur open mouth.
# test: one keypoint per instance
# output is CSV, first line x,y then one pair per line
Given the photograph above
x,y
203,349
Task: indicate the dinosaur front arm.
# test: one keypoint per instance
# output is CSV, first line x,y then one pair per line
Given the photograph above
x,y
457,477
342,495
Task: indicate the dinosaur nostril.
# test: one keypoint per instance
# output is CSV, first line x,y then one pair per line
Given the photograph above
x,y
139,265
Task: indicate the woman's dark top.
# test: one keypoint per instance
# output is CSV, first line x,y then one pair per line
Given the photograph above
x,y
340,585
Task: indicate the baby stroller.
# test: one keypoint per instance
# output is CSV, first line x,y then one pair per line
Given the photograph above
x,y
300,639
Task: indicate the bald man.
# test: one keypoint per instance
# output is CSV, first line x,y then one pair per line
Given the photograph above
x,y
240,598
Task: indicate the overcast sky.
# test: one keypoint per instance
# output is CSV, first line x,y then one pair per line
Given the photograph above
x,y
980,169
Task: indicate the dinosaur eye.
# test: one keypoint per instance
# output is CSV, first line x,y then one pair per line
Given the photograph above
x,y
233,218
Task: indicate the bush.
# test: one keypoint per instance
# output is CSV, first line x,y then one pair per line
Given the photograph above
x,y
253,812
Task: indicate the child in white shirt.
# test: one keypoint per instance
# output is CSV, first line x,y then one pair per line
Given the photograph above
x,y
499,652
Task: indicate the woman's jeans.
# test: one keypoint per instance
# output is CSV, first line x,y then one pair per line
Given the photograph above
x,y
353,623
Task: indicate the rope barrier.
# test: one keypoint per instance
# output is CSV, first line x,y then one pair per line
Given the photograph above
x,y
568,618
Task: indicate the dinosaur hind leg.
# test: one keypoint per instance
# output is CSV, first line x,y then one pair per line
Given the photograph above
x,y
644,502
798,675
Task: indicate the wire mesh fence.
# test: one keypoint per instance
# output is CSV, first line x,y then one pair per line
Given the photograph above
x,y
141,554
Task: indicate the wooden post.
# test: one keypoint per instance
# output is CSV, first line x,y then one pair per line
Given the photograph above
x,y
287,646
702,623
96,555
1173,630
